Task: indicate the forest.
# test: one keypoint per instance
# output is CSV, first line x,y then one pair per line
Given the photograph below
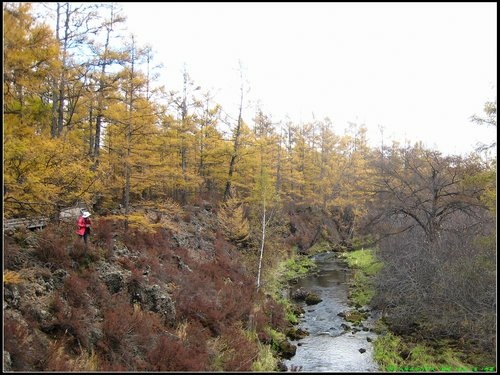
x,y
207,204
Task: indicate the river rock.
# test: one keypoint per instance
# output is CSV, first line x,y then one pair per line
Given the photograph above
x,y
296,333
355,317
286,349
300,294
282,367
345,327
312,299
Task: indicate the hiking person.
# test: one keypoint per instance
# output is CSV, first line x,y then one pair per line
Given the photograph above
x,y
84,225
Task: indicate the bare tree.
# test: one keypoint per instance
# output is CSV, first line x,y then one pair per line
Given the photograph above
x,y
426,187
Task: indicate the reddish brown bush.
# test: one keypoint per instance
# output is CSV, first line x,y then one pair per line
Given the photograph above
x,y
186,217
73,326
129,335
269,314
126,332
216,293
221,245
12,254
26,351
103,231
117,321
57,304
171,353
51,249
242,351
126,263
75,291
57,359
78,251
138,240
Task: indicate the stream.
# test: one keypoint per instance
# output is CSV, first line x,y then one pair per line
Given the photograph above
x,y
329,347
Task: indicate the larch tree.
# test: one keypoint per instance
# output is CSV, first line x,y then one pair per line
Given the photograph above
x,y
186,127
41,173
74,24
228,191
103,80
131,155
351,191
211,156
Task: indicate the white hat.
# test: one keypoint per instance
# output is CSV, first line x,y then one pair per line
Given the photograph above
x,y
86,214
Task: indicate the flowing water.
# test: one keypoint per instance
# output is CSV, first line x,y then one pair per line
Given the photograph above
x,y
328,347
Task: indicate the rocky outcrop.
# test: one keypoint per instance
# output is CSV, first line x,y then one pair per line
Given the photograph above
x,y
40,297
153,298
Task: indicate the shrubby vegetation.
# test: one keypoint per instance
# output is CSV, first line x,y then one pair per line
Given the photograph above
x,y
208,214
438,280
66,313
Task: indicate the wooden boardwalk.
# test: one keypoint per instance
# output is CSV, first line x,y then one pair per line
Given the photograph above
x,y
28,223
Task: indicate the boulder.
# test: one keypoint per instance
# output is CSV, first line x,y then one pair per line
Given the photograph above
x,y
296,333
286,349
312,299
300,294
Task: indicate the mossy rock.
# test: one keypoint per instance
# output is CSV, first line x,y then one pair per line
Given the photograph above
x,y
300,294
297,309
355,316
312,299
286,349
296,333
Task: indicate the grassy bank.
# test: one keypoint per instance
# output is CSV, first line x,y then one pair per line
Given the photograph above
x,y
365,266
395,353
275,283
287,270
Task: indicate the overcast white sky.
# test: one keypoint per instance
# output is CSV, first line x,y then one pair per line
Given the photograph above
x,y
420,70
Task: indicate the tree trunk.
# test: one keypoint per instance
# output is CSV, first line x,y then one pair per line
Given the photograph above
x,y
237,134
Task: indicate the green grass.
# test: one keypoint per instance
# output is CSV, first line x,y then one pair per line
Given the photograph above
x,y
266,361
320,247
363,260
287,270
394,353
296,267
365,266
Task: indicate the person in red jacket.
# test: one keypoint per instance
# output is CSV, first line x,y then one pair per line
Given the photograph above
x,y
84,224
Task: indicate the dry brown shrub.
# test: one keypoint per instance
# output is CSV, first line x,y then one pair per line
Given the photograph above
x,y
75,291
25,351
51,249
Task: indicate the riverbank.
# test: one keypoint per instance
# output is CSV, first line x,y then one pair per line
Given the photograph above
x,y
364,266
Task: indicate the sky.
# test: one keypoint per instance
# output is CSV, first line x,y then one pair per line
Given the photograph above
x,y
410,71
